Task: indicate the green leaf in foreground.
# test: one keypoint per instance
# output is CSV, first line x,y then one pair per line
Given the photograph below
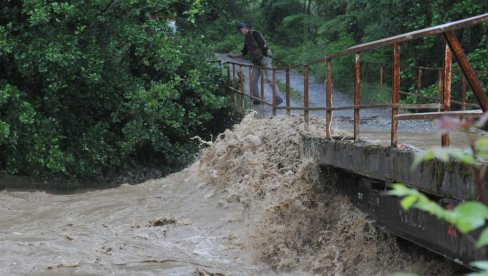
x,y
482,265
469,216
483,240
408,201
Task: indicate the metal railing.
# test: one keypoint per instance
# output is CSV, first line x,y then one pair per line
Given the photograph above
x,y
452,47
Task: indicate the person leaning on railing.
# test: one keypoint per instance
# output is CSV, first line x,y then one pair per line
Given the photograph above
x,y
256,46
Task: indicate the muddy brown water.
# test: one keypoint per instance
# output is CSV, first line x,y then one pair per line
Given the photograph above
x,y
171,226
252,209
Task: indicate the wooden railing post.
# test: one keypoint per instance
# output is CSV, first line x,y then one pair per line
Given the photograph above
x,y
328,101
305,94
357,90
287,91
395,94
446,95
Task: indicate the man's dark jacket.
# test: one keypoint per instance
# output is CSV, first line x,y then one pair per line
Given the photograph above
x,y
256,46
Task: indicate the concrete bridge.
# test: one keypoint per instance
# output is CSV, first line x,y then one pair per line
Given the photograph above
x,y
384,138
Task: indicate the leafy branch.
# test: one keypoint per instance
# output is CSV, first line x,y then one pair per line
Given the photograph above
x,y
467,216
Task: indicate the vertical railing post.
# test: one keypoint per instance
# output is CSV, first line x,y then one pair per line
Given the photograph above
x,y
439,86
241,73
228,72
395,94
274,92
287,91
419,86
305,94
381,75
446,95
328,100
234,83
251,86
464,87
357,91
262,85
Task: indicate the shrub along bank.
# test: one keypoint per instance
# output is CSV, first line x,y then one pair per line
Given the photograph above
x,y
89,88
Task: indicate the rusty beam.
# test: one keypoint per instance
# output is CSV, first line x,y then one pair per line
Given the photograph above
x,y
446,95
352,107
448,27
395,98
357,96
439,86
468,71
302,108
234,84
328,100
287,91
380,106
237,91
381,75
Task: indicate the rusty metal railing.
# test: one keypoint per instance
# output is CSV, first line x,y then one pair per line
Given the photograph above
x,y
420,72
452,47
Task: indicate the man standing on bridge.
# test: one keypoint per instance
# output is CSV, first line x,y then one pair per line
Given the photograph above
x,y
260,55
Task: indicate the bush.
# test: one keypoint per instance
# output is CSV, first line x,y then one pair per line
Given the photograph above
x,y
87,89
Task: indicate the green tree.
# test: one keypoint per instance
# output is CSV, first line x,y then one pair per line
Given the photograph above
x,y
89,87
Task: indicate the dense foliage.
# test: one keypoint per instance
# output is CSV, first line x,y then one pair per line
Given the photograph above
x,y
91,87
304,30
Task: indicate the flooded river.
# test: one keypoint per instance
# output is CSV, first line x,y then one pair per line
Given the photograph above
x,y
171,226
251,205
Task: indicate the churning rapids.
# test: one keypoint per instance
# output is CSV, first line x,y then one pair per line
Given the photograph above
x,y
251,205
